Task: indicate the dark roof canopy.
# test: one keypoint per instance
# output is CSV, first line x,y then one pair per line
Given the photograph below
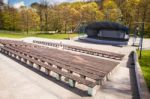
x,y
106,26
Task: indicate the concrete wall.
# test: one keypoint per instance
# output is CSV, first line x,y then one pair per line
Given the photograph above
x,y
142,87
111,34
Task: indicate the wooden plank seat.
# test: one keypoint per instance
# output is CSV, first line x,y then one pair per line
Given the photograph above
x,y
76,64
84,50
78,79
80,64
93,51
84,69
96,75
62,52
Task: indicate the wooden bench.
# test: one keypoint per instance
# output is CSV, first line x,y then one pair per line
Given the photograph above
x,y
90,73
83,50
90,84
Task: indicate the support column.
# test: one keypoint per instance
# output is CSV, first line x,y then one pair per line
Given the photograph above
x,y
6,52
29,63
82,76
38,67
93,90
17,57
71,82
97,81
23,60
47,71
102,81
1,49
12,55
9,54
58,76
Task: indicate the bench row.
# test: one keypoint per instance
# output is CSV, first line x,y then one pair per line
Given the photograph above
x,y
92,87
83,50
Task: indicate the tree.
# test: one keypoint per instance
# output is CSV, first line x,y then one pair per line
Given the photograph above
x,y
55,19
111,11
29,19
90,12
10,18
145,13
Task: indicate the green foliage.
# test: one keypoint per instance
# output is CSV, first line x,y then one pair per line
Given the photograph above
x,y
63,17
42,35
134,13
10,19
67,16
145,65
29,19
111,11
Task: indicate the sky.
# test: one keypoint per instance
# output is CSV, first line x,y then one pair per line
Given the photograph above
x,y
18,3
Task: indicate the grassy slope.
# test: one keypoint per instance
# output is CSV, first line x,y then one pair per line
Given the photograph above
x,y
145,65
51,36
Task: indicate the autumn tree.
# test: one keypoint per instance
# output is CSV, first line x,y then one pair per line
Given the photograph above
x,y
10,18
144,13
29,19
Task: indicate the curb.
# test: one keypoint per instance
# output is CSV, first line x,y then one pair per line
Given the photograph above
x,y
142,87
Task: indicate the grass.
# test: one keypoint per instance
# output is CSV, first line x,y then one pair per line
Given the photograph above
x,y
145,65
42,35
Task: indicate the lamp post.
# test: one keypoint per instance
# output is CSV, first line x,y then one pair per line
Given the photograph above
x,y
135,35
141,37
27,21
141,41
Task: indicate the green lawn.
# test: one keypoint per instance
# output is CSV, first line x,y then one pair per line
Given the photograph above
x,y
145,65
42,35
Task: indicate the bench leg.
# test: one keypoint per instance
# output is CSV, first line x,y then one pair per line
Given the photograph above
x,y
72,83
9,54
38,67
93,91
17,57
12,55
58,76
29,63
23,60
47,71
6,52
98,82
82,76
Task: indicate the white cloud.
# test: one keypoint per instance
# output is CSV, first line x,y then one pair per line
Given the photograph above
x,y
67,0
60,1
19,4
5,1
